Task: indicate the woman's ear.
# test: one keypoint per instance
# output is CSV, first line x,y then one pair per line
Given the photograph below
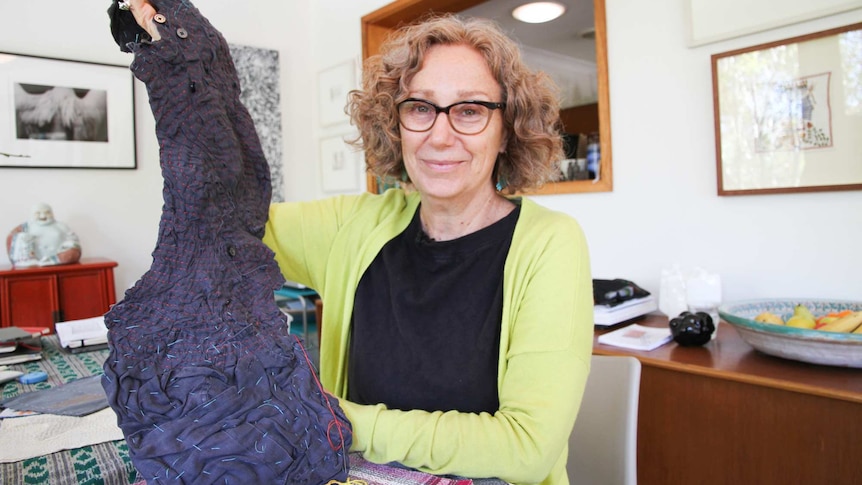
x,y
504,142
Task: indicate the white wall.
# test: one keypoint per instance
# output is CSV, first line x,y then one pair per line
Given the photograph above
x,y
712,21
663,210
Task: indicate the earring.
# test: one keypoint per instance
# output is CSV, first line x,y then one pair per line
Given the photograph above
x,y
404,177
501,182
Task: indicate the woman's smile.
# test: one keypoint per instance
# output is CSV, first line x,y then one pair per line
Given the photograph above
x,y
442,165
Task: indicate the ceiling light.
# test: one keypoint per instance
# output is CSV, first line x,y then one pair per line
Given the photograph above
x,y
538,12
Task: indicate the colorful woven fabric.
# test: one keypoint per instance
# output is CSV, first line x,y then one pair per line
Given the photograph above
x,y
207,383
374,474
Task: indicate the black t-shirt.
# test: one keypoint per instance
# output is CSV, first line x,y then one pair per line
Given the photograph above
x,y
426,321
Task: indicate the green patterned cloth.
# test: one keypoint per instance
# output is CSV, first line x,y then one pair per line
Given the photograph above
x,y
104,463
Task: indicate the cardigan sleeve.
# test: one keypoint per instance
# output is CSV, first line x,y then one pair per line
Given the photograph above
x,y
546,340
302,234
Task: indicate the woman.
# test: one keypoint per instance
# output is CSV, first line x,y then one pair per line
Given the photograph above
x,y
458,324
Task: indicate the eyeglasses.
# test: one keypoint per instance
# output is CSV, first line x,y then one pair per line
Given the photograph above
x,y
465,117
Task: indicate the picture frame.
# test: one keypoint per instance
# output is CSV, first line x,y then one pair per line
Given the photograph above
x,y
788,114
339,165
333,84
58,113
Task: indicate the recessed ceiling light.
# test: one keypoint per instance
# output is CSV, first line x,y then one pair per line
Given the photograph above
x,y
538,12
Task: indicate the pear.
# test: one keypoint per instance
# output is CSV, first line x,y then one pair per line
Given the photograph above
x,y
803,310
801,318
800,321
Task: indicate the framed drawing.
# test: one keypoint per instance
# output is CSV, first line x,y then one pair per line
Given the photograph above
x,y
65,114
333,84
788,114
338,165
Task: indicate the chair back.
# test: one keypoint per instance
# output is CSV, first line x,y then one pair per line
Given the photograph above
x,y
603,443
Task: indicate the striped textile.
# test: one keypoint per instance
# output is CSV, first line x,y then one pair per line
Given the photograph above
x,y
374,474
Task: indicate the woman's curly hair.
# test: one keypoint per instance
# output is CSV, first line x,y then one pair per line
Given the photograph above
x,y
531,119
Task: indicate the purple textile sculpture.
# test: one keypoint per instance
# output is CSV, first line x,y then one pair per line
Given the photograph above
x,y
207,383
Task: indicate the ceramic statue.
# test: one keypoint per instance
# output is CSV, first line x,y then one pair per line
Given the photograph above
x,y
42,241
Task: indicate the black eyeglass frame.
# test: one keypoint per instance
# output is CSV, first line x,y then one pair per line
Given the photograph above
x,y
445,109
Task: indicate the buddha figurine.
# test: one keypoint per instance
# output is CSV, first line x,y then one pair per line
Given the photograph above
x,y
42,241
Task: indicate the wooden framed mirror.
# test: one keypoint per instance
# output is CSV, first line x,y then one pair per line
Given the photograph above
x,y
378,24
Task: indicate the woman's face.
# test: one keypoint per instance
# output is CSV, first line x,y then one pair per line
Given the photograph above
x,y
442,163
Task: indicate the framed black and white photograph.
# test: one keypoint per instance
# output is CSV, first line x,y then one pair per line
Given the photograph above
x,y
65,114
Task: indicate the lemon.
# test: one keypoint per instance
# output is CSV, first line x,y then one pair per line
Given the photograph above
x,y
769,317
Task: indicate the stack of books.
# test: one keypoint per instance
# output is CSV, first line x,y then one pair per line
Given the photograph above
x,y
20,344
607,316
83,335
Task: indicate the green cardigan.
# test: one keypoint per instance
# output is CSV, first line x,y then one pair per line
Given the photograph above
x,y
545,340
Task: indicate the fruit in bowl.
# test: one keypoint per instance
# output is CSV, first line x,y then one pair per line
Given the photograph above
x,y
769,317
829,341
802,318
850,322
843,321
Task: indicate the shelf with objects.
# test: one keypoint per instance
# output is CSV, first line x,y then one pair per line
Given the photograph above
x,y
298,302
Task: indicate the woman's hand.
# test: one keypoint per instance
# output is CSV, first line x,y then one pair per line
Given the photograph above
x,y
144,12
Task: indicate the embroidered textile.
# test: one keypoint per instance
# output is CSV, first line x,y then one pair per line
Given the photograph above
x,y
207,383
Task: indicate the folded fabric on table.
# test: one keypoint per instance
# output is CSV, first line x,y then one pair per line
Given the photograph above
x,y
79,397
41,434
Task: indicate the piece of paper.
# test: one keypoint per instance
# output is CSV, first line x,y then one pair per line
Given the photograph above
x,y
637,337
12,413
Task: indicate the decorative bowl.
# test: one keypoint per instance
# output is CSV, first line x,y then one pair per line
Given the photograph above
x,y
812,346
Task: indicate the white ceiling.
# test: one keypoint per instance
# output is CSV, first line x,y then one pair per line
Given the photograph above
x,y
562,35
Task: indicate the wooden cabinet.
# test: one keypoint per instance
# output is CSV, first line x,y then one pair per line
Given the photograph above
x,y
44,295
725,413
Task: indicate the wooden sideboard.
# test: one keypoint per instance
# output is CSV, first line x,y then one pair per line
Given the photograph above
x,y
42,296
725,413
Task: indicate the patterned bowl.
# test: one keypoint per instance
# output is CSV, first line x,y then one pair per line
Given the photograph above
x,y
813,346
